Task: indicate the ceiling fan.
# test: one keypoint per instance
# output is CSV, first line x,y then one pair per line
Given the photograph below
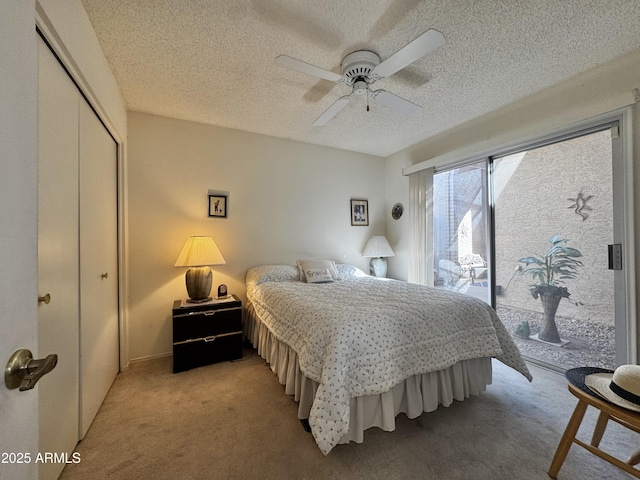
x,y
362,68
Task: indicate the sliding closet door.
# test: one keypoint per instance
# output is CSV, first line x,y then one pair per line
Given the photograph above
x,y
58,321
99,345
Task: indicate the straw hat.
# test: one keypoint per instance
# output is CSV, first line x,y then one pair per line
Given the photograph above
x,y
622,387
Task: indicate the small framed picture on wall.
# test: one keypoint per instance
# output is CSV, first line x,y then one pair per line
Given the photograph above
x,y
218,206
359,212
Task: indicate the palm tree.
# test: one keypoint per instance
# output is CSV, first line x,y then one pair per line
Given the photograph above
x,y
551,270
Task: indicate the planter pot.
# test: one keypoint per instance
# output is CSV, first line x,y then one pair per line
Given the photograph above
x,y
549,332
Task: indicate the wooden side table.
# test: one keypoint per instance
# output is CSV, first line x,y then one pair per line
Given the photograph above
x,y
206,333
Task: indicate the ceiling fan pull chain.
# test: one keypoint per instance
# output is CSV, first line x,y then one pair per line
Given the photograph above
x,y
367,99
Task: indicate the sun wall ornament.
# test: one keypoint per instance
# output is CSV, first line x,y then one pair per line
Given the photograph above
x,y
580,205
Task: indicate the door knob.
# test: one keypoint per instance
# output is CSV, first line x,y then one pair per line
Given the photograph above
x,y
23,371
45,299
105,275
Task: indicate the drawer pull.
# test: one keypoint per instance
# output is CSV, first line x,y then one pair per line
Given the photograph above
x,y
207,313
208,339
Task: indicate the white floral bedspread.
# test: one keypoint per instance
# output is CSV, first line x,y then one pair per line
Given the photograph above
x,y
362,335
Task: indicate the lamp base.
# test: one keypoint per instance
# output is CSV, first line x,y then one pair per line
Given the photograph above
x,y
199,281
378,267
200,300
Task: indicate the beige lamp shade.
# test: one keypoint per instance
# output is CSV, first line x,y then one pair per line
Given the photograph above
x,y
378,247
198,253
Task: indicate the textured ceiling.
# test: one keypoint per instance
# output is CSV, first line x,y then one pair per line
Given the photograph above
x,y
212,61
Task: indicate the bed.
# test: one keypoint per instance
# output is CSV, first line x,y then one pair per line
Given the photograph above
x,y
355,350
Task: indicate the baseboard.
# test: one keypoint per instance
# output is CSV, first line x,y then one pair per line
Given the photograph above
x,y
150,357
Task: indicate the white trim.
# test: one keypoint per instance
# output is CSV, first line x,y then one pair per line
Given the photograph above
x,y
149,357
627,128
59,47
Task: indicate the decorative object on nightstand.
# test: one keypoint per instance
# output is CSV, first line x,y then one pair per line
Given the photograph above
x,y
377,248
206,333
198,253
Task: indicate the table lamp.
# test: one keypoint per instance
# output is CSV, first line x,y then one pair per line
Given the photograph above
x,y
377,248
198,253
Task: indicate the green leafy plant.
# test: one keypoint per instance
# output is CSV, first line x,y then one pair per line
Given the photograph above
x,y
553,268
549,271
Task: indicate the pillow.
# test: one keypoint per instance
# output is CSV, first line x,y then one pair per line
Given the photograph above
x,y
271,273
317,275
318,265
348,271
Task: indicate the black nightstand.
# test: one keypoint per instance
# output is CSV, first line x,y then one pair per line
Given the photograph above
x,y
206,333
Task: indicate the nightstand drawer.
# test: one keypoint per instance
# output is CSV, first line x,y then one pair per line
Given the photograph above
x,y
207,323
204,334
195,353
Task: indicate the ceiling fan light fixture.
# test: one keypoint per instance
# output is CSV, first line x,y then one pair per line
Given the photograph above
x,y
360,87
362,68
358,65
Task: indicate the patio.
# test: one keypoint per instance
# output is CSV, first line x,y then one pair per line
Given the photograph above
x,y
593,346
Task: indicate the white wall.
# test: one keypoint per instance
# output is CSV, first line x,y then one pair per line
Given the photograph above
x,y
287,200
597,91
398,231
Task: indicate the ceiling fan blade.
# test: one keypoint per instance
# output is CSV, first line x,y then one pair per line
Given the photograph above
x,y
332,111
425,43
304,67
396,103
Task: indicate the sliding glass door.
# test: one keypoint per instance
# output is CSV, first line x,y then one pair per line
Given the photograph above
x,y
529,232
460,230
553,222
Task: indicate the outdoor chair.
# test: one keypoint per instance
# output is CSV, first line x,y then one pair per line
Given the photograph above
x,y
474,265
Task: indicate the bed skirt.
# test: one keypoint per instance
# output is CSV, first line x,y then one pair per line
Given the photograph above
x,y
413,396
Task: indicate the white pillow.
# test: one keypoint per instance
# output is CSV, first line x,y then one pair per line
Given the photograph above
x,y
317,275
348,271
318,265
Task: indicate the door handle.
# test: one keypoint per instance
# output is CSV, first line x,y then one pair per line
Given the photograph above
x,y
45,299
23,371
615,256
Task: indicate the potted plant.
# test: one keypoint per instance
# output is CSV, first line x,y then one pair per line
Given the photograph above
x,y
549,271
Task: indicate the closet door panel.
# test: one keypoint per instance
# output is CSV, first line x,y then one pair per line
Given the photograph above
x,y
99,344
58,322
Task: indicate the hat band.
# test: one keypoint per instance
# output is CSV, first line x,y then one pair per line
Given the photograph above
x,y
621,392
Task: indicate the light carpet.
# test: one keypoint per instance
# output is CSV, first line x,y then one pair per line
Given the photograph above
x,y
232,420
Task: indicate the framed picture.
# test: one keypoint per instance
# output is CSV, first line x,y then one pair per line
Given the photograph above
x,y
218,206
359,212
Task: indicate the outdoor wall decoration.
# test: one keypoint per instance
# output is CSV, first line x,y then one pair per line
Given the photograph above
x,y
580,204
